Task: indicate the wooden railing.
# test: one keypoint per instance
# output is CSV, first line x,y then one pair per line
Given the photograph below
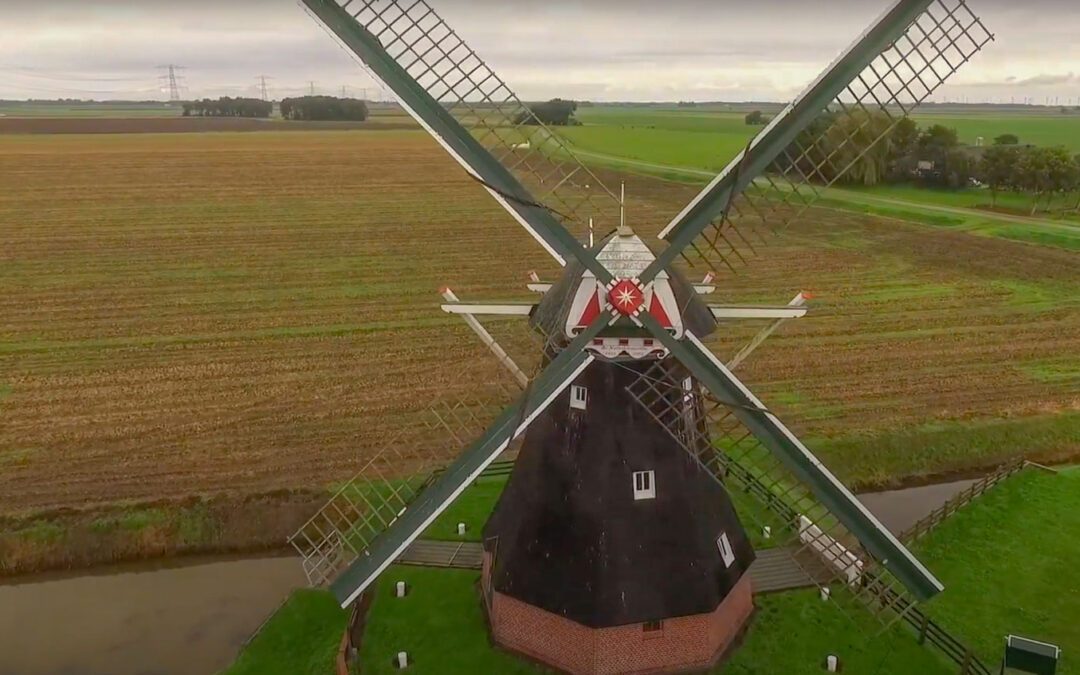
x,y
958,501
926,629
929,631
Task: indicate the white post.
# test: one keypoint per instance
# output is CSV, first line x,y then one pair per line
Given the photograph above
x,y
461,529
825,593
402,659
832,663
399,589
766,532
591,243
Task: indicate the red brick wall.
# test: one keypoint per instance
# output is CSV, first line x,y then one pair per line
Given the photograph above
x,y
683,642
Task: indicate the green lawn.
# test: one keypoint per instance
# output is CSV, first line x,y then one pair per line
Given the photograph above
x,y
472,508
1009,565
302,638
793,632
441,625
1007,561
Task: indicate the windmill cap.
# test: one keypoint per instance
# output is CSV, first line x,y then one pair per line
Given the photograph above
x,y
624,231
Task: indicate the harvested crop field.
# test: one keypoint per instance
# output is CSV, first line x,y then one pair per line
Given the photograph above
x,y
200,313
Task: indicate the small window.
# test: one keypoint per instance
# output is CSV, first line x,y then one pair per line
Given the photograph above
x,y
652,626
726,554
579,397
624,342
644,485
648,342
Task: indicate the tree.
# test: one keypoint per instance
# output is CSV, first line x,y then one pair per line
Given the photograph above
x,y
851,142
1062,172
1007,139
321,108
227,106
998,167
1033,174
1076,185
903,156
755,118
556,112
959,168
936,145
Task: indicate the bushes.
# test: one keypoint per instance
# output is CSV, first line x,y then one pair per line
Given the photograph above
x,y
228,107
322,108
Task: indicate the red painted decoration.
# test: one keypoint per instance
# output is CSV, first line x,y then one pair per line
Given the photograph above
x,y
626,297
592,310
657,310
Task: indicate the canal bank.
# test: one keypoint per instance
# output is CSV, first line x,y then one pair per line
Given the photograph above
x,y
191,616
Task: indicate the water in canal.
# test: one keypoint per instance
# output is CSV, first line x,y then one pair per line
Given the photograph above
x,y
191,617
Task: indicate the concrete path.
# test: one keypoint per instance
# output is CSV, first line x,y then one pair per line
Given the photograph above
x,y
774,569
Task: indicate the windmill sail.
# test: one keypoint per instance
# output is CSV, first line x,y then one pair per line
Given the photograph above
x,y
407,45
371,520
434,74
838,126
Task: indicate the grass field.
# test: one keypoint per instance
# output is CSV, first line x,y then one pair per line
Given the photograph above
x,y
301,639
198,313
127,109
441,625
671,135
1007,562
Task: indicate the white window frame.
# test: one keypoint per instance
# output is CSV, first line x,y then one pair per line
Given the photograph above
x,y
644,485
727,554
579,397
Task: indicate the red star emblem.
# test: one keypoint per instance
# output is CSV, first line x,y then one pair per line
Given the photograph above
x,y
626,297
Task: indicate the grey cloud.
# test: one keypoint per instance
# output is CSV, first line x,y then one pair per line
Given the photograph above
x,y
603,49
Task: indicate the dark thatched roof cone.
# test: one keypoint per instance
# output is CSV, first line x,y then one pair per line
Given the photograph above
x,y
577,533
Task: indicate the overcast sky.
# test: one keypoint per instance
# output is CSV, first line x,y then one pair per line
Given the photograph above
x,y
600,50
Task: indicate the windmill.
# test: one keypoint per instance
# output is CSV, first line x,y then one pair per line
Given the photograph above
x,y
620,516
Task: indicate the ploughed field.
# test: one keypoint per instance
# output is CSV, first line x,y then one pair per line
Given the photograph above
x,y
195,313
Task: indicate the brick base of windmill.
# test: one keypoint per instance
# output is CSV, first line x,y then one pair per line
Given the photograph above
x,y
673,645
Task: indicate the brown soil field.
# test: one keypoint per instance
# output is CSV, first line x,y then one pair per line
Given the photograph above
x,y
248,312
173,125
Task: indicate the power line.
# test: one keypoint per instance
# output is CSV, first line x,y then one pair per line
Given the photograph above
x,y
170,77
262,86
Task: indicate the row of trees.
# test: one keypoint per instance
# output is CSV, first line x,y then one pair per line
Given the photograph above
x,y
321,108
1039,172
932,156
227,106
